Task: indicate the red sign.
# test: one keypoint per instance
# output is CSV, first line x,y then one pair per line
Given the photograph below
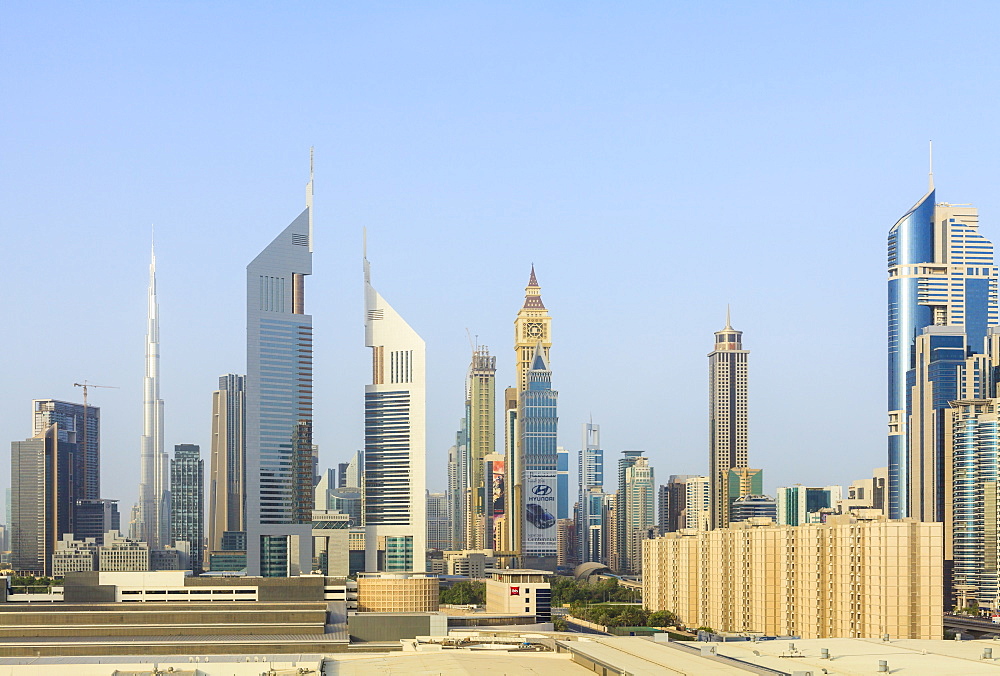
x,y
515,591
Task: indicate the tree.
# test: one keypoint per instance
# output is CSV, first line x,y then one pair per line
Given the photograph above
x,y
662,618
464,593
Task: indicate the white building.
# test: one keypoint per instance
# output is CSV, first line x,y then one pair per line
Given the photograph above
x,y
516,591
395,505
698,503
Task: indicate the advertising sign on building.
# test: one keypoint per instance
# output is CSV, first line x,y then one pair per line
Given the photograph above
x,y
498,487
515,591
540,534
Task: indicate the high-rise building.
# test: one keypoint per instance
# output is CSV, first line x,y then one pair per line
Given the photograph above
x,y
227,484
532,326
187,501
562,483
94,518
748,507
80,425
350,475
538,421
795,504
743,481
42,498
673,503
438,525
152,522
532,331
727,416
698,503
515,471
591,480
395,474
861,577
456,490
494,477
941,273
481,416
619,543
279,413
640,511
973,519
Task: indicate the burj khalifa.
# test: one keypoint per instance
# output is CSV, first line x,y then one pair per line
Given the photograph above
x,y
151,520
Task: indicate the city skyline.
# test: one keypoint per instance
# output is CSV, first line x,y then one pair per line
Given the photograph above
x,y
592,201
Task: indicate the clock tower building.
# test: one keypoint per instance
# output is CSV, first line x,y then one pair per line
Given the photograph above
x,y
533,325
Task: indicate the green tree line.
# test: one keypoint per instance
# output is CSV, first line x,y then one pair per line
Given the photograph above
x,y
464,593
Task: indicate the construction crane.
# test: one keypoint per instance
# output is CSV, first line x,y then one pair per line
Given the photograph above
x,y
85,385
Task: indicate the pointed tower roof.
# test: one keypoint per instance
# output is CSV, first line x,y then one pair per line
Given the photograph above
x,y
533,293
538,358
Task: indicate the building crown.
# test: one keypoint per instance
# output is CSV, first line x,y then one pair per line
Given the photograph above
x,y
533,293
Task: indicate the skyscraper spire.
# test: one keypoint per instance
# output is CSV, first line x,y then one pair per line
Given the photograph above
x,y
729,324
153,507
930,166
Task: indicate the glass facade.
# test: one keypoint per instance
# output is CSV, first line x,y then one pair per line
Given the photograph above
x,y
538,423
82,427
187,501
930,283
278,394
974,518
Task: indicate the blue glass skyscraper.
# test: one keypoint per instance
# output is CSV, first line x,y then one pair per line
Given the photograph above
x,y
940,274
538,420
591,496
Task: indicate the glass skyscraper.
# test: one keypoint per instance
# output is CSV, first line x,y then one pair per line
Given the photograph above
x,y
81,426
538,421
591,486
187,501
940,274
279,486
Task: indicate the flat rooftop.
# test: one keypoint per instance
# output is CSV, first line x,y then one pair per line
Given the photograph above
x,y
856,656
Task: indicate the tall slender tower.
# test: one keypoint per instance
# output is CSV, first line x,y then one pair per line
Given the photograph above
x,y
941,273
395,477
727,416
481,416
227,482
152,523
538,422
591,489
279,486
532,328
187,498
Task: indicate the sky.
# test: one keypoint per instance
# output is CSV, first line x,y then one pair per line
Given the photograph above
x,y
655,161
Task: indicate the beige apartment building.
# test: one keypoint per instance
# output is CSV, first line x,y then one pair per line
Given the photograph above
x,y
856,576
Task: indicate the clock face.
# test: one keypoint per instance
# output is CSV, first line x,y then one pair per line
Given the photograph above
x,y
533,330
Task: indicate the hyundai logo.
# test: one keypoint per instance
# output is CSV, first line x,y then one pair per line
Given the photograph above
x,y
541,489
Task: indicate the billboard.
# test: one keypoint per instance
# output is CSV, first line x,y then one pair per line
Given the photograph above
x,y
540,533
497,483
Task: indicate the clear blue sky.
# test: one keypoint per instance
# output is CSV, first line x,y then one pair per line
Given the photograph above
x,y
655,161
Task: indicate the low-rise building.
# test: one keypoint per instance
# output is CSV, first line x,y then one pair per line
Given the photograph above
x,y
74,555
403,592
122,554
472,563
517,591
858,576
